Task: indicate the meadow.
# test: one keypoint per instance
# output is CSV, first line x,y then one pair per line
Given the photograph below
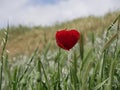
x,y
31,60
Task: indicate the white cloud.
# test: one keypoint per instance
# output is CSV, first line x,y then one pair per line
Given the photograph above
x,y
21,12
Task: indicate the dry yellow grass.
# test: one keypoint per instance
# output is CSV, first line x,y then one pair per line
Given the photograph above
x,y
24,42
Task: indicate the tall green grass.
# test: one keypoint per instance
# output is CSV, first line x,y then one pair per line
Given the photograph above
x,y
91,65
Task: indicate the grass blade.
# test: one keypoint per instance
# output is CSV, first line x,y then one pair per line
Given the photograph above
x,y
101,84
81,42
2,55
31,59
110,41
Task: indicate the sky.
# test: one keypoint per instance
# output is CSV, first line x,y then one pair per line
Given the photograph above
x,y
49,12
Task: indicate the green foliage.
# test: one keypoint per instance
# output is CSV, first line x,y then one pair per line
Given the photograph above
x,y
90,65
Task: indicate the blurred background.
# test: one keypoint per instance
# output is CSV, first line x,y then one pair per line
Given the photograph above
x,y
49,12
35,22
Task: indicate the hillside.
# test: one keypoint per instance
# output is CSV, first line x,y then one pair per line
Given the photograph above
x,y
23,40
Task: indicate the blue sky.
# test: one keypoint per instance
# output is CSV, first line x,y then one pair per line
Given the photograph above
x,y
48,12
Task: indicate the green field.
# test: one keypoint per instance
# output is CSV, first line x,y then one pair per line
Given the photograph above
x,y
31,60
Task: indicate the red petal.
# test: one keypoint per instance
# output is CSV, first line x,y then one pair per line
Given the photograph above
x,y
66,39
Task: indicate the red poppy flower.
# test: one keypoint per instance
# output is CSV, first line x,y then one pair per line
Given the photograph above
x,y
66,39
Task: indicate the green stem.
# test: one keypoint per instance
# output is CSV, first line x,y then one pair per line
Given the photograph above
x,y
59,88
59,75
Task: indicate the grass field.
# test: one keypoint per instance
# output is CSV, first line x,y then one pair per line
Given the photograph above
x,y
31,60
